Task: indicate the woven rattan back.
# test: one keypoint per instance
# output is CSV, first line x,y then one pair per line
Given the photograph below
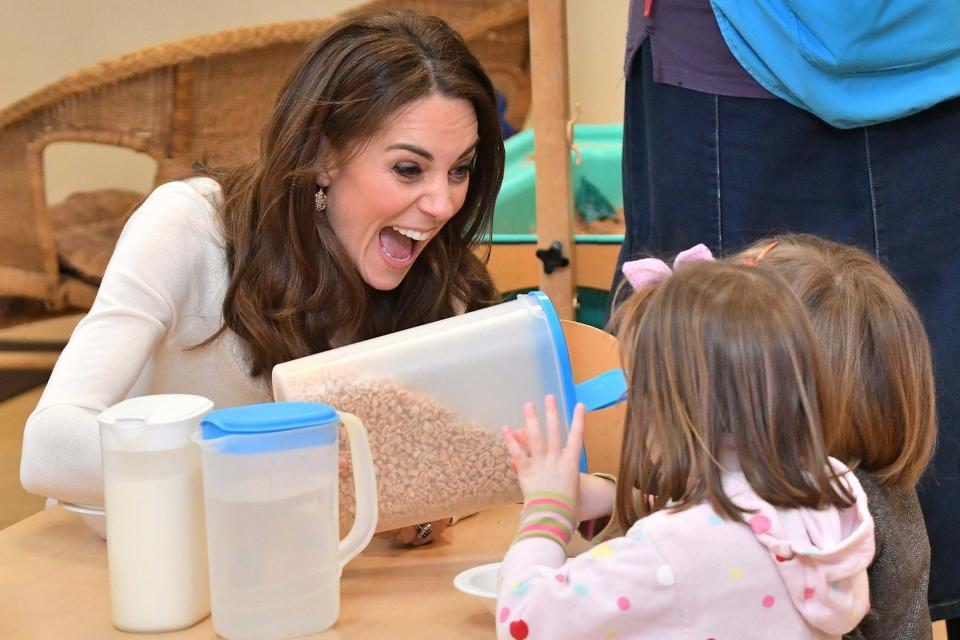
x,y
202,99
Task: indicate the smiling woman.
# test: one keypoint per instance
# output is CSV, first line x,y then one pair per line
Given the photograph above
x,y
378,171
377,175
387,202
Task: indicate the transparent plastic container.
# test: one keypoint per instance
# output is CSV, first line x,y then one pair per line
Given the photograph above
x,y
270,475
433,399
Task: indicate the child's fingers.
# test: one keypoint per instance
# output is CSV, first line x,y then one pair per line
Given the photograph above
x,y
554,441
575,437
516,452
521,437
534,439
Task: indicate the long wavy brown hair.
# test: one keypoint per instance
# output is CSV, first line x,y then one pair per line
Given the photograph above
x,y
293,291
877,348
717,356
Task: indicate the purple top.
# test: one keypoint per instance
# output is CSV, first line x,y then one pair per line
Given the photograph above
x,y
687,48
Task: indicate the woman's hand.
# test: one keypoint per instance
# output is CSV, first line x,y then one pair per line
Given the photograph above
x,y
547,464
415,536
418,534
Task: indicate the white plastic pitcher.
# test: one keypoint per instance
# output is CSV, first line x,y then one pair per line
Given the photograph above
x,y
153,494
270,475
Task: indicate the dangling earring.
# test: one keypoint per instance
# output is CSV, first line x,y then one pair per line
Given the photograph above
x,y
320,200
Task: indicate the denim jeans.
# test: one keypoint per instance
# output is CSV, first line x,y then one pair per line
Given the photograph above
x,y
726,171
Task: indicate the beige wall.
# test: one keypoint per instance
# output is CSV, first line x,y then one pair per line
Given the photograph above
x,y
596,36
42,40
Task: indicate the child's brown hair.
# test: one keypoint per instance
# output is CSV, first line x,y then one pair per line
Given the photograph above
x,y
876,347
722,353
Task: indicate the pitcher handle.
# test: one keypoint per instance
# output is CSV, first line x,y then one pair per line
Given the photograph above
x,y
365,489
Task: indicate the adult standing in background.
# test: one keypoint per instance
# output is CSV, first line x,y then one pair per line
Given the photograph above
x,y
710,155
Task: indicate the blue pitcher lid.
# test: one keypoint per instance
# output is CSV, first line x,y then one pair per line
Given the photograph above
x,y
268,417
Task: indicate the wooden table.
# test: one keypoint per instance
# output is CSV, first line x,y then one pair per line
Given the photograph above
x,y
54,583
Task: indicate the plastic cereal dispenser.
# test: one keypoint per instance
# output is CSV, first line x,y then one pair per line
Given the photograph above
x,y
433,399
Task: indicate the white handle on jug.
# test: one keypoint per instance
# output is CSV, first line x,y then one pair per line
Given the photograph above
x,y
130,431
364,488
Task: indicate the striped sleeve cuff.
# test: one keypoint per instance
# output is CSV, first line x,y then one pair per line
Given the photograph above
x,y
547,515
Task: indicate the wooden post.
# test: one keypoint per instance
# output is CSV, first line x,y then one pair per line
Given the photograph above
x,y
551,107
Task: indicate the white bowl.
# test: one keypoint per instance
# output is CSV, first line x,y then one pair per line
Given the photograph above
x,y
480,582
94,517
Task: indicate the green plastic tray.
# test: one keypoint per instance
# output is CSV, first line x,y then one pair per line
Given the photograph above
x,y
601,150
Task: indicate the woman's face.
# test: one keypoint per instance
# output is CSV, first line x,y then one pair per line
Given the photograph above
x,y
393,196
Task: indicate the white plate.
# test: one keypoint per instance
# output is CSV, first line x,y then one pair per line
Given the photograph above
x,y
94,517
480,582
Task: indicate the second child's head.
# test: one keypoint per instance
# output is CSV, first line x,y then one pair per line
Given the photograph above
x,y
722,364
876,347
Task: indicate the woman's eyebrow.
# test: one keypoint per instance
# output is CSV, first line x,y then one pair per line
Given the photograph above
x,y
469,150
420,151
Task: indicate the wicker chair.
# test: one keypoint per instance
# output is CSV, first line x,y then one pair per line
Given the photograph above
x,y
200,99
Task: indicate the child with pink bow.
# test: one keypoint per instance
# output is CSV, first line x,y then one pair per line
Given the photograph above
x,y
737,522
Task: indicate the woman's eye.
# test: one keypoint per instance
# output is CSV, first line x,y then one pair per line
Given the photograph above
x,y
462,172
406,170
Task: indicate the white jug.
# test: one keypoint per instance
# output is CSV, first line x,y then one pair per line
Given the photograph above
x,y
270,474
153,494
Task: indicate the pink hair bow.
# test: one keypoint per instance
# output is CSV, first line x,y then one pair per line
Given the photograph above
x,y
650,271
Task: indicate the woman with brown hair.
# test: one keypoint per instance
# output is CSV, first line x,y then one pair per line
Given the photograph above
x,y
886,423
377,177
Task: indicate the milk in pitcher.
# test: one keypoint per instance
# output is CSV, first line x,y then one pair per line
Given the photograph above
x,y
155,502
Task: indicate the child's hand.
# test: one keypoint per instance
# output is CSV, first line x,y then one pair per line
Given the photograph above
x,y
596,495
547,465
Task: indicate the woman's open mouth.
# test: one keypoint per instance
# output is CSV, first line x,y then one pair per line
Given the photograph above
x,y
399,245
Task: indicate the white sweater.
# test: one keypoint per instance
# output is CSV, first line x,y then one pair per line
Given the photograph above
x,y
161,294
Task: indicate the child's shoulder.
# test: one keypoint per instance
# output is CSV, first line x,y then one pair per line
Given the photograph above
x,y
895,510
676,527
